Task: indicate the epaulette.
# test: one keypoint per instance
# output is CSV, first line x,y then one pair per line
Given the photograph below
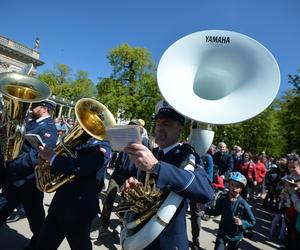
x,y
186,149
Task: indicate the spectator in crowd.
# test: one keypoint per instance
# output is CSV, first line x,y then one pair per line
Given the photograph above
x,y
67,124
271,181
57,122
223,160
282,164
261,172
292,185
236,214
212,149
284,201
208,164
248,169
264,159
237,156
218,181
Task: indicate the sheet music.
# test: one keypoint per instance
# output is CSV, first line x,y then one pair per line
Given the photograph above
x,y
35,140
120,135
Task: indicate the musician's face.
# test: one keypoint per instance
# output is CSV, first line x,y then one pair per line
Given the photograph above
x,y
167,132
37,112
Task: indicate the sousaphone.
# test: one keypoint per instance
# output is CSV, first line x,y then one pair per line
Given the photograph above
x,y
211,77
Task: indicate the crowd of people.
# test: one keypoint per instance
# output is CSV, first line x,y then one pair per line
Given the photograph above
x,y
276,181
221,182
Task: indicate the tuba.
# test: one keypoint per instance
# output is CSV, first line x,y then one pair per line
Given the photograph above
x,y
92,117
208,76
18,91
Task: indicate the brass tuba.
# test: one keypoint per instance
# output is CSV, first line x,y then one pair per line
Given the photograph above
x,y
18,91
92,117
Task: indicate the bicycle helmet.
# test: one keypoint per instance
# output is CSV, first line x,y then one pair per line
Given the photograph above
x,y
237,176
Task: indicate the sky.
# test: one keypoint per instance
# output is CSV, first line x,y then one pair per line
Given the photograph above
x,y
80,33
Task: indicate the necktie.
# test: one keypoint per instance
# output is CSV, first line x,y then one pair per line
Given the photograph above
x,y
160,154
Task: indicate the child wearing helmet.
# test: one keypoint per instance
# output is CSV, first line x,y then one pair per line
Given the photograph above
x,y
236,214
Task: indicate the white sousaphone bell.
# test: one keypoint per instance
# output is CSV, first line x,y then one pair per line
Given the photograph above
x,y
212,77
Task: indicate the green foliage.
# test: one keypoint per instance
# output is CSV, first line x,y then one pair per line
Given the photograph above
x,y
261,133
64,87
275,131
131,90
290,119
295,81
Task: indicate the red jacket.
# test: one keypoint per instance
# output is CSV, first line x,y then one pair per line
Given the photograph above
x,y
261,172
218,183
248,169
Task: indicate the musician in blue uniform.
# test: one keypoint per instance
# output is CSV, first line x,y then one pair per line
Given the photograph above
x,y
20,183
172,166
75,203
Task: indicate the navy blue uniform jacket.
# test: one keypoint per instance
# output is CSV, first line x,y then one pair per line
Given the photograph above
x,y
191,185
25,163
78,200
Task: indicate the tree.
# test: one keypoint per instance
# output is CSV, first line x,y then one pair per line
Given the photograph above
x,y
63,86
131,89
261,133
275,131
82,86
295,81
290,120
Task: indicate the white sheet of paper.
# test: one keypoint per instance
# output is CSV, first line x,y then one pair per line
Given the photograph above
x,y
35,140
120,135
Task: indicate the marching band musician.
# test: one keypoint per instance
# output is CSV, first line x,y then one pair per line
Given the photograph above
x,y
20,183
76,203
164,164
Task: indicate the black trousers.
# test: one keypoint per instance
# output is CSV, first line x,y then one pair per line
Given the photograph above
x,y
56,228
32,200
196,214
115,182
231,245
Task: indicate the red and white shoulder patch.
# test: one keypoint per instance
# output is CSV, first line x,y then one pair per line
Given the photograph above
x,y
103,150
47,135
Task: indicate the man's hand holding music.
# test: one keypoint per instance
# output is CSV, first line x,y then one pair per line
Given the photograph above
x,y
141,156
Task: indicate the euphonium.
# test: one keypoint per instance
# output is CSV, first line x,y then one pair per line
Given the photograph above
x,y
92,117
17,92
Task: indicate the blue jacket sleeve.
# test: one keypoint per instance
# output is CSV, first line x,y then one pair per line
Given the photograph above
x,y
194,185
25,163
209,166
248,218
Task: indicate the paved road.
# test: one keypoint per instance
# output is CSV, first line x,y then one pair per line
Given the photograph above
x,y
16,235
